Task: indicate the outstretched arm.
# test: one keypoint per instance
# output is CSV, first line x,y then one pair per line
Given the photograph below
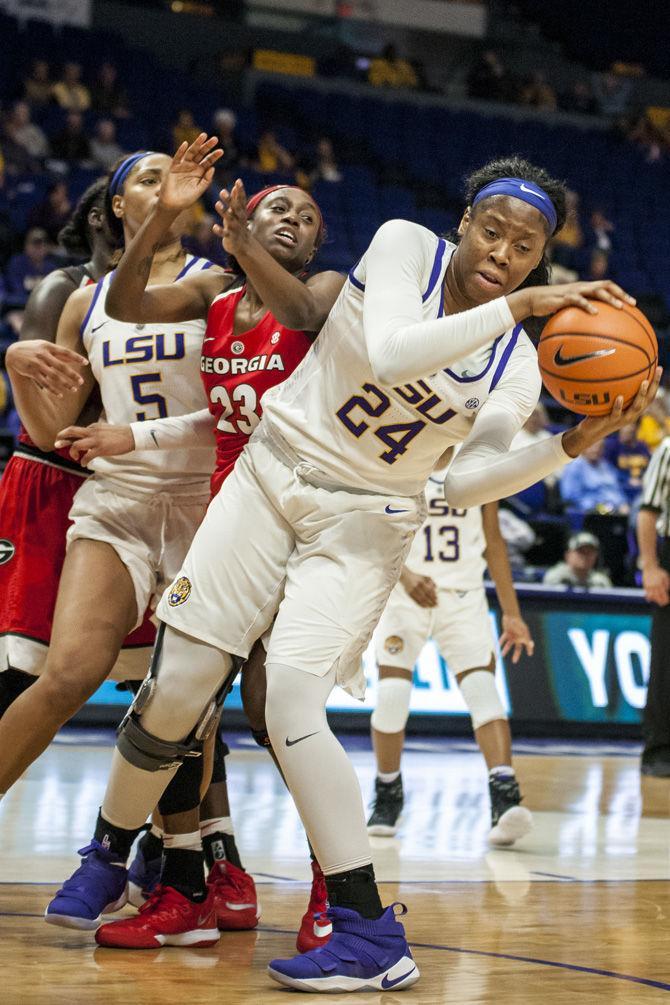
x,y
102,439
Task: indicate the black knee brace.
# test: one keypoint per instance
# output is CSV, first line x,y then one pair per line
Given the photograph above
x,y
12,684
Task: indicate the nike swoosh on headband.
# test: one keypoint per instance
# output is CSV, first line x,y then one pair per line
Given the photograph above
x,y
540,195
561,360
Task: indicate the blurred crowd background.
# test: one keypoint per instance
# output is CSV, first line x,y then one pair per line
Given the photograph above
x,y
377,123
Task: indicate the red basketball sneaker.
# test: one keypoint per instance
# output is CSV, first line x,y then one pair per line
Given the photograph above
x,y
166,919
315,932
235,899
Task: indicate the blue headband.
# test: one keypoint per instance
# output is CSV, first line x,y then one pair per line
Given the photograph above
x,y
527,191
124,169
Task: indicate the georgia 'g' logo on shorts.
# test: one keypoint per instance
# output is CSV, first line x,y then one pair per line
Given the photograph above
x,y
179,592
394,644
7,551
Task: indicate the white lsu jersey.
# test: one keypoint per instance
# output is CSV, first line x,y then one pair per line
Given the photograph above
x,y
333,412
450,545
149,371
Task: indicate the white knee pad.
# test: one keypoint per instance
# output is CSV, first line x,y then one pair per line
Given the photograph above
x,y
392,708
481,696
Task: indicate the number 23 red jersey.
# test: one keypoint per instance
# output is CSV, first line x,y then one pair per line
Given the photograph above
x,y
237,371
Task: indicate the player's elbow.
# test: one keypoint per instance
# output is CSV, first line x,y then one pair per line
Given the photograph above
x,y
461,493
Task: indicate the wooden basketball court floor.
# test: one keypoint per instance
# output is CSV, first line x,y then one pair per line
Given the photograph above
x,y
578,912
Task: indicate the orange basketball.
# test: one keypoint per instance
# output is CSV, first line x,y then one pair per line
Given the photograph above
x,y
587,360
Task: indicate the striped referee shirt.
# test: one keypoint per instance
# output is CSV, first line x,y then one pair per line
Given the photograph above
x,y
656,486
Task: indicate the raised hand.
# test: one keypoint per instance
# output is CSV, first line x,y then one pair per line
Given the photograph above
x,y
100,439
233,229
515,636
52,367
190,173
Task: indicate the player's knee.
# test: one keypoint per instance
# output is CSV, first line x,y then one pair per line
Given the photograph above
x,y
392,705
65,689
480,694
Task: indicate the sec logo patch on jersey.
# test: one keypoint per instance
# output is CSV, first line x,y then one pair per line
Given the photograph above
x,y
180,591
472,403
394,644
7,551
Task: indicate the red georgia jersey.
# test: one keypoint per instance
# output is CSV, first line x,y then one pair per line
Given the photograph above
x,y
237,371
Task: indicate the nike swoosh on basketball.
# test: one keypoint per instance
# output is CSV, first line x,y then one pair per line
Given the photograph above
x,y
390,510
292,743
561,360
386,983
531,191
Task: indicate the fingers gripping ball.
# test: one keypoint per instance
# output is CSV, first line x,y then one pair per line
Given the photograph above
x,y
587,360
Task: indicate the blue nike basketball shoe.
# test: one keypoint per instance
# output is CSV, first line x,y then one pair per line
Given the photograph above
x,y
362,955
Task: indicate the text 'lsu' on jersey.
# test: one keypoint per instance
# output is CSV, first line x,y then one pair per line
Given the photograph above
x,y
148,371
334,413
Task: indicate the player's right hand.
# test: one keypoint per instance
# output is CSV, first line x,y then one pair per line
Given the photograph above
x,y
656,583
421,589
539,301
190,174
53,367
100,439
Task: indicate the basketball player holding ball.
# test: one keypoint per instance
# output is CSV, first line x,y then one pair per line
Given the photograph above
x,y
332,484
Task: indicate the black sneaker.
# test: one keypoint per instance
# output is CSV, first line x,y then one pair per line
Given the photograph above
x,y
509,819
386,808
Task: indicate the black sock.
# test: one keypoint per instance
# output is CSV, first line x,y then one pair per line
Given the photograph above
x,y
219,846
152,846
118,840
183,870
356,890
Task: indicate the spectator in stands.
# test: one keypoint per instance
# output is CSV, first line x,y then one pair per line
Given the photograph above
x,y
590,483
653,520
20,130
655,423
599,265
271,156
69,91
108,96
325,168
105,151
224,123
601,229
519,537
612,93
630,457
580,98
538,93
38,86
71,144
579,566
644,132
54,211
26,269
391,70
490,80
185,129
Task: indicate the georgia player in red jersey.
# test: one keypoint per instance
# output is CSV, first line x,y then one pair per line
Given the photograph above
x,y
255,338
37,487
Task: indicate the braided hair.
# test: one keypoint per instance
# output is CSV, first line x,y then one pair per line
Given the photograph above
x,y
75,236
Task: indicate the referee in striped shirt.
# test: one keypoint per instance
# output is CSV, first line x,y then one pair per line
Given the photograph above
x,y
654,520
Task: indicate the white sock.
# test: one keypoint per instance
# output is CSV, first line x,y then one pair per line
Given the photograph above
x,y
502,771
221,825
388,777
187,842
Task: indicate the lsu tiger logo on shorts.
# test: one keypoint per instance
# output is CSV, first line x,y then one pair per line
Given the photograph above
x,y
179,592
394,644
7,551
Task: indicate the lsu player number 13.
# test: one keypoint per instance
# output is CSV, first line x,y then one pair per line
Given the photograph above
x,y
441,596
